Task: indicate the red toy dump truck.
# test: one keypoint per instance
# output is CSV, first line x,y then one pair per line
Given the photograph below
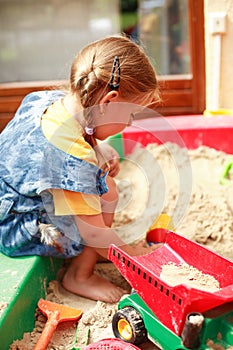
x,y
175,317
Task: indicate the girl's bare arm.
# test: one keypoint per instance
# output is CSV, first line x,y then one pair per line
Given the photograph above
x,y
99,236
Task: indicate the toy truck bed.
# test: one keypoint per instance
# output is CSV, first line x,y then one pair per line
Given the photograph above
x,y
171,304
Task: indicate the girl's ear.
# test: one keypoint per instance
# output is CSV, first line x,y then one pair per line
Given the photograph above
x,y
111,96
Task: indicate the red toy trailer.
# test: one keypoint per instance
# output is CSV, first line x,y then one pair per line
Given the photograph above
x,y
170,304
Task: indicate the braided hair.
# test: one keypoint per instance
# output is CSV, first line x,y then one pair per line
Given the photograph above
x,y
92,68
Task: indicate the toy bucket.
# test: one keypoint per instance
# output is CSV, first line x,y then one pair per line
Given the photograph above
x,y
158,235
158,230
111,344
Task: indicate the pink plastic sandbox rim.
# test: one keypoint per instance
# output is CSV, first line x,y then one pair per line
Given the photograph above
x,y
187,131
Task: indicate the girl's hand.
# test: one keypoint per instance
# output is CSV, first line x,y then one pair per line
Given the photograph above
x,y
107,153
114,166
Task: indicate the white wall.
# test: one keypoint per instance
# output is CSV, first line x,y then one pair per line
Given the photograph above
x,y
226,69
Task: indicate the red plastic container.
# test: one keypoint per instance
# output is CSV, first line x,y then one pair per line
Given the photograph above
x,y
111,344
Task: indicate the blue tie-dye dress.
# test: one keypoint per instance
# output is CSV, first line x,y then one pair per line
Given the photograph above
x,y
29,167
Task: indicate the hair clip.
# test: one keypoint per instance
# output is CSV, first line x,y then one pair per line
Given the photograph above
x,y
116,66
89,131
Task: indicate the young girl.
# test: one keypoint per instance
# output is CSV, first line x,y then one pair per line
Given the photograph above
x,y
57,190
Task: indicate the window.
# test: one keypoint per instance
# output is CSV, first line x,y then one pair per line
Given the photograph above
x,y
185,94
172,34
180,40
163,31
39,39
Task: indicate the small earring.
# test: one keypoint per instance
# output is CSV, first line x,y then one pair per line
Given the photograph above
x,y
89,131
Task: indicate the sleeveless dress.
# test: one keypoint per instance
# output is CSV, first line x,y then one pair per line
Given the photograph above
x,y
29,167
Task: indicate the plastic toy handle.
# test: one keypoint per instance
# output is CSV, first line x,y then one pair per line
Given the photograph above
x,y
50,327
162,221
224,178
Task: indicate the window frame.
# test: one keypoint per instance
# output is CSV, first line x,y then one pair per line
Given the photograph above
x,y
180,94
185,94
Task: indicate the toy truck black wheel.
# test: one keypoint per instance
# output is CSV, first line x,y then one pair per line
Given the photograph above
x,y
128,325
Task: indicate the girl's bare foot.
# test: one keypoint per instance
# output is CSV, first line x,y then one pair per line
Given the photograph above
x,y
94,287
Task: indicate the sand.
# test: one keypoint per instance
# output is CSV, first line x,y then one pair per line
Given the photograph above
x,y
3,306
186,274
185,185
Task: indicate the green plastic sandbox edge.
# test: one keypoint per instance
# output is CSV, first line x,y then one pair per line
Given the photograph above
x,y
19,315
116,141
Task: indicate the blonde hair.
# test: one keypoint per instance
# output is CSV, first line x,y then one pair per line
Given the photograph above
x,y
92,67
91,71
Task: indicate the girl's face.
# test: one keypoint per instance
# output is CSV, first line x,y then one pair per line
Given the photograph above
x,y
115,114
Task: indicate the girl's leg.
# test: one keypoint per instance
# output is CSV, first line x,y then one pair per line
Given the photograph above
x,y
80,277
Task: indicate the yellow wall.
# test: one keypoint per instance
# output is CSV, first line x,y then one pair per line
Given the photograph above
x,y
226,58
